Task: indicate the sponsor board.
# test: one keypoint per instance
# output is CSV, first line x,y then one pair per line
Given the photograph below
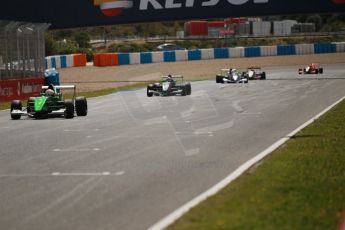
x,y
20,89
81,13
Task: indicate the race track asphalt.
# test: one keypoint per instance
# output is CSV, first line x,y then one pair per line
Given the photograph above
x,y
133,160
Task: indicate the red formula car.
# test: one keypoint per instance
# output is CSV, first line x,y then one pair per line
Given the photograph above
x,y
313,68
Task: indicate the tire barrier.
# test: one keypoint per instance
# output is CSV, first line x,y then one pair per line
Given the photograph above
x,y
321,48
220,53
286,50
252,52
113,59
65,61
266,51
105,59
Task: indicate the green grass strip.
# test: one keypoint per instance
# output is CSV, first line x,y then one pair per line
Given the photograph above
x,y
300,186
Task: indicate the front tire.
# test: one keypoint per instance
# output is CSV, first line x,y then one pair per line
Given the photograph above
x,y
16,105
184,91
69,111
81,106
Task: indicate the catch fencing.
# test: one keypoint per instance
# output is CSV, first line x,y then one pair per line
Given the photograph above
x,y
22,58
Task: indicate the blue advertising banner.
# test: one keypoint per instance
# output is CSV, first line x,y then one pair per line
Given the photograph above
x,y
81,13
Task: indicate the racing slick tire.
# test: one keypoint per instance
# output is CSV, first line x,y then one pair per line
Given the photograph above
x,y
320,70
219,79
16,105
28,108
263,76
189,89
69,111
184,91
317,71
81,106
148,93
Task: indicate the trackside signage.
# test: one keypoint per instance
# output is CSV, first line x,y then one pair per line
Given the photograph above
x,y
80,13
20,89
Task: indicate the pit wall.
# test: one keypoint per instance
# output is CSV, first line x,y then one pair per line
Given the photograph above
x,y
114,59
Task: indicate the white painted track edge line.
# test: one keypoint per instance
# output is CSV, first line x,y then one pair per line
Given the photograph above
x,y
172,217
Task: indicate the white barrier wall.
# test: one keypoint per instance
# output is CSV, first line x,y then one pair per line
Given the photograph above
x,y
134,58
305,49
207,54
49,62
157,57
181,55
268,51
64,61
340,46
58,61
70,60
236,52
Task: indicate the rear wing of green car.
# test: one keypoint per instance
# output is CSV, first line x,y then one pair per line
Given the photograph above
x,y
63,87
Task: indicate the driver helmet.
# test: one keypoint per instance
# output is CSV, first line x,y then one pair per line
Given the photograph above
x,y
49,92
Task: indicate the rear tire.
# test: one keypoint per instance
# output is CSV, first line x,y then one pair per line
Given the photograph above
x,y
81,106
16,105
189,89
219,79
148,93
69,111
321,70
263,76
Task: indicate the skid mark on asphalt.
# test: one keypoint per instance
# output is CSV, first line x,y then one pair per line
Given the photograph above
x,y
237,107
156,120
214,128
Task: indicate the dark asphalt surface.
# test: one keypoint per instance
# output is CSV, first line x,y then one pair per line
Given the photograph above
x,y
134,159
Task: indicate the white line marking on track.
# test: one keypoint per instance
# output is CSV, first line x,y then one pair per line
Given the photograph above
x,y
172,217
81,174
80,130
76,150
120,173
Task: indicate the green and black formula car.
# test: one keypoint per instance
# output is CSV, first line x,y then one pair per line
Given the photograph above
x,y
170,86
50,103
